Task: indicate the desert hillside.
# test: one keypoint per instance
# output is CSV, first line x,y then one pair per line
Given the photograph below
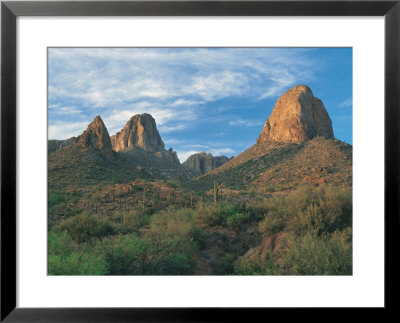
x,y
124,205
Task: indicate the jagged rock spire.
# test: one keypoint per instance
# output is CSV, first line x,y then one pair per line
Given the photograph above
x,y
96,136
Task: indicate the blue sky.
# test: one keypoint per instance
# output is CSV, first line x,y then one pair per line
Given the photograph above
x,y
203,99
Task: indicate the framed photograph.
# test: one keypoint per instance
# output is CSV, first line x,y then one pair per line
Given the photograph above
x,y
167,160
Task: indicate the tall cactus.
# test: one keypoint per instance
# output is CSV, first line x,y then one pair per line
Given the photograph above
x,y
215,193
217,187
144,198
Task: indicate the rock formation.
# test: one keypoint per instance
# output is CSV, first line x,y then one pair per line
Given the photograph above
x,y
96,136
203,163
140,139
140,132
54,145
172,155
297,116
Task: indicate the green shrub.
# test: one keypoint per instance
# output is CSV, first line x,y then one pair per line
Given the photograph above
x,y
55,199
60,243
213,215
270,189
67,258
198,237
224,266
276,215
256,267
77,263
83,227
176,264
206,214
238,220
132,219
329,210
125,255
312,254
172,223
308,209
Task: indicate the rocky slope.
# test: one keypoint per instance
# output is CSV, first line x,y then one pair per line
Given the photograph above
x,y
94,137
137,151
297,116
296,145
267,167
202,162
75,167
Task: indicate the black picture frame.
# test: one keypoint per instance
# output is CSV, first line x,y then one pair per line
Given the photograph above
x,y
10,10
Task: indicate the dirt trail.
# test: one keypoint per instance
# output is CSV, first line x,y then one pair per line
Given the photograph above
x,y
209,253
218,243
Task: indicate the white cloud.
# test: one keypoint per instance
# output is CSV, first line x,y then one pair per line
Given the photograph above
x,y
113,77
272,91
184,102
65,130
172,141
174,85
166,129
217,85
221,151
165,118
184,155
196,146
282,83
54,105
346,103
245,123
66,110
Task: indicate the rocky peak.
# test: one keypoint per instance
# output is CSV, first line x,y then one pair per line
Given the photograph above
x,y
203,162
96,136
297,116
141,132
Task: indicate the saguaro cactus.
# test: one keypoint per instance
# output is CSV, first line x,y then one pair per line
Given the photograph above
x,y
144,198
217,187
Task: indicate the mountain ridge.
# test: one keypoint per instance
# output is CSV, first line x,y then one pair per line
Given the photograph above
x,y
202,162
298,124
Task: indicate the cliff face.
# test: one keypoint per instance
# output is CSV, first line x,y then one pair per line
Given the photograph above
x,y
297,116
203,163
96,136
140,132
54,145
141,140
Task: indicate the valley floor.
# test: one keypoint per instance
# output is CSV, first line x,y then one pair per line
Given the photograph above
x,y
159,228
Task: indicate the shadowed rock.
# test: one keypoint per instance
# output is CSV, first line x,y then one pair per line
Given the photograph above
x,y
96,136
203,163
